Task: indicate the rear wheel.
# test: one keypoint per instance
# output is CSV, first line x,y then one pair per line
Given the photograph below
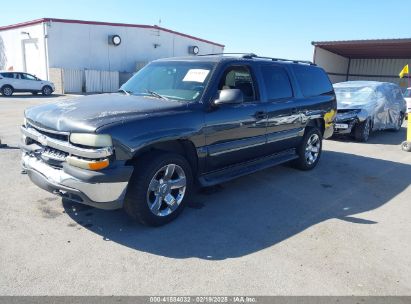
x,y
158,189
309,151
7,90
46,91
362,131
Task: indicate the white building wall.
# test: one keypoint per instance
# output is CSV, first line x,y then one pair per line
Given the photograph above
x,y
24,53
85,46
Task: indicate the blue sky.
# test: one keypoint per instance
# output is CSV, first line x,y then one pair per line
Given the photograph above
x,y
270,28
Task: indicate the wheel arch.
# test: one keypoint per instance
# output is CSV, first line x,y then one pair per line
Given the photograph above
x,y
317,122
182,147
7,85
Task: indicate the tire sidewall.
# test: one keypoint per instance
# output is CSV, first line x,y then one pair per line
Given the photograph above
x,y
302,161
136,196
7,87
43,91
399,122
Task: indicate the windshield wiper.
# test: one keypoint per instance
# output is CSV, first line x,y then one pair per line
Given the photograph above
x,y
155,94
124,91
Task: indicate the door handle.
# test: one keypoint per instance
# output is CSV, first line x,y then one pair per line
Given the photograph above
x,y
260,115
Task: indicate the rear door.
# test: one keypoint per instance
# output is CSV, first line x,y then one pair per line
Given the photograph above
x,y
236,132
284,126
18,82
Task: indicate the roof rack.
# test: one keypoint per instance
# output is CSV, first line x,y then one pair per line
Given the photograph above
x,y
252,55
220,54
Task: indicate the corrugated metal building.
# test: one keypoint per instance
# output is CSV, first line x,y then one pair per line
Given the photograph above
x,y
62,50
378,60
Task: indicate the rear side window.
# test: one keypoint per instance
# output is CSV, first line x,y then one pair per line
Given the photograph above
x,y
313,81
276,82
7,75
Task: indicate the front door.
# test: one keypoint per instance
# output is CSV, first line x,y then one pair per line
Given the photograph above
x,y
29,82
236,132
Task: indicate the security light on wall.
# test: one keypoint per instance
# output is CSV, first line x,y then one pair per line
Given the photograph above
x,y
193,50
114,40
25,33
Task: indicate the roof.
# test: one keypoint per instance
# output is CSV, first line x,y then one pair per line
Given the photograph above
x,y
372,49
359,83
42,20
234,56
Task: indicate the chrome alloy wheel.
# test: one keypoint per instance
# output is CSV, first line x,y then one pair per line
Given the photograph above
x,y
312,149
7,91
166,190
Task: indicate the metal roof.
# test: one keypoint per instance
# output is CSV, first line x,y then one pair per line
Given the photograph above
x,y
372,49
37,21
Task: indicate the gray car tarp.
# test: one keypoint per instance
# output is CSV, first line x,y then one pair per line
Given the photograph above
x,y
383,102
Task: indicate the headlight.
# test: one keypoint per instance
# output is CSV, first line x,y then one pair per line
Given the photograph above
x,y
88,164
91,140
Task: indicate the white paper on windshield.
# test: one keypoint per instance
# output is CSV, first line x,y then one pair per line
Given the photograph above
x,y
196,75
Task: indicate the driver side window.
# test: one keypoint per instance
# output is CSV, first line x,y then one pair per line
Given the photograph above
x,y
27,77
239,77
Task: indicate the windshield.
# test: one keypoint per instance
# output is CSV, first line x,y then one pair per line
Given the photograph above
x,y
407,92
353,94
182,81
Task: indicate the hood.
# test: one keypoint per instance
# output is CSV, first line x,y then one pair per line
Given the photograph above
x,y
346,105
88,113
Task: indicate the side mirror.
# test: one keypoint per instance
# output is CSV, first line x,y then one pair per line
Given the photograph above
x,y
230,96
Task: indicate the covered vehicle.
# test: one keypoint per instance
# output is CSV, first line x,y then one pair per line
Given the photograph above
x,y
366,106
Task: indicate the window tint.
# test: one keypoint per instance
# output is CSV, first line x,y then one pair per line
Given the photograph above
x,y
276,81
27,77
313,81
8,75
239,77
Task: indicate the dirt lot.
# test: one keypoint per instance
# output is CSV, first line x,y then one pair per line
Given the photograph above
x,y
341,229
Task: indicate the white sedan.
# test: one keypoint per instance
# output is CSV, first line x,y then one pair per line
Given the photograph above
x,y
11,82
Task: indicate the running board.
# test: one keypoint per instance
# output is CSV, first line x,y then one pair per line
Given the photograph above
x,y
229,173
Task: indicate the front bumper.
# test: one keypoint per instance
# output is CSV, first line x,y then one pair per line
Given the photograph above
x,y
103,190
344,126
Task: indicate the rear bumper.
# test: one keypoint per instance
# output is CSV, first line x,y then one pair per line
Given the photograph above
x,y
104,190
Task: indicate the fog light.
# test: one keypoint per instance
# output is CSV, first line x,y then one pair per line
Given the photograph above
x,y
87,164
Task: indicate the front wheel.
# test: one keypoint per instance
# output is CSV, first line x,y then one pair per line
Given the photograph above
x,y
158,189
362,131
309,150
399,122
46,91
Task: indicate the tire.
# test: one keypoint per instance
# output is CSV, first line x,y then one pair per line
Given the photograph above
x,y
7,90
149,206
362,131
46,90
309,150
398,125
406,146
